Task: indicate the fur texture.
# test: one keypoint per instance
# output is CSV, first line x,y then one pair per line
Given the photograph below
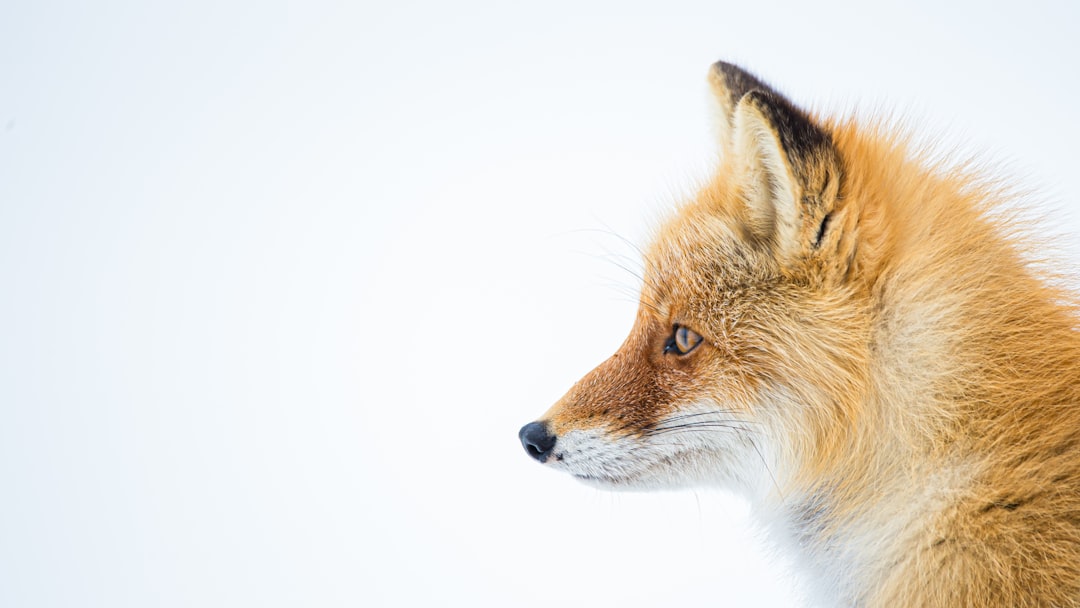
x,y
882,370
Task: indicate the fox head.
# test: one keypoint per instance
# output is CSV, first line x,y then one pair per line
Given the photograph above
x,y
750,342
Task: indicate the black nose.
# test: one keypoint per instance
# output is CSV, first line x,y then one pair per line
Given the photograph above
x,y
537,440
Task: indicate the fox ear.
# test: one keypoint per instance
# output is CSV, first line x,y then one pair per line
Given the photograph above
x,y
729,84
789,170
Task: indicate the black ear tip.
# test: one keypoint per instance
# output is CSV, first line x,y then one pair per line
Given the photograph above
x,y
728,73
735,82
726,67
722,66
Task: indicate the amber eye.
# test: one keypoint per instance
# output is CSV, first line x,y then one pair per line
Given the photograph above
x,y
682,340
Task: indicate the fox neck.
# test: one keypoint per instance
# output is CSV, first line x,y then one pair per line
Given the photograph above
x,y
849,518
847,533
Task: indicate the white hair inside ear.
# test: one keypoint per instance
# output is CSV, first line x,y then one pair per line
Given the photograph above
x,y
771,188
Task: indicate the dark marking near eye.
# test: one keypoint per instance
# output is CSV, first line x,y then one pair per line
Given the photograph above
x,y
1008,506
821,230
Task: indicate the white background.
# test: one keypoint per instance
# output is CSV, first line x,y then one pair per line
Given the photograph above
x,y
280,282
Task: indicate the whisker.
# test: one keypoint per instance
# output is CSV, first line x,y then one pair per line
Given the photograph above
x,y
682,422
607,230
767,469
679,417
633,296
623,263
619,261
688,428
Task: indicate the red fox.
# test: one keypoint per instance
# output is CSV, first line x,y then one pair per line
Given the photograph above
x,y
858,342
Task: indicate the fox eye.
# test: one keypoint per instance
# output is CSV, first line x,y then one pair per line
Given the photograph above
x,y
682,340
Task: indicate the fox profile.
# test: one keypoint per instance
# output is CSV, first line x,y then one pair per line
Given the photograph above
x,y
859,343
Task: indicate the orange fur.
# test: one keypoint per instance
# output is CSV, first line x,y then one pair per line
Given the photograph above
x,y
884,372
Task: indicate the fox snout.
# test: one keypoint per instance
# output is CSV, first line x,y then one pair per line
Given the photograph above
x,y
537,440
644,417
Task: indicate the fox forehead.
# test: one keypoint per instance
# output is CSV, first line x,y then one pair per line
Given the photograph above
x,y
700,264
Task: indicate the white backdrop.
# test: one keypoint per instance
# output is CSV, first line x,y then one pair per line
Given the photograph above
x,y
280,282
